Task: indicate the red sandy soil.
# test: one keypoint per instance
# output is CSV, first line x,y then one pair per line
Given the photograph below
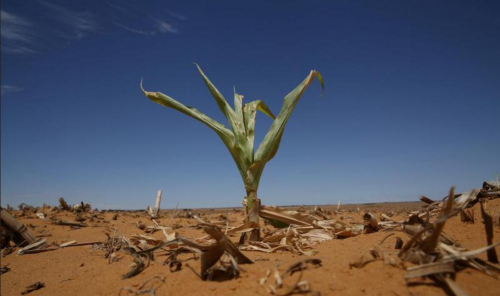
x,y
83,271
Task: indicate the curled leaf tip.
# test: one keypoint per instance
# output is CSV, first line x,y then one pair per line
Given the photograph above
x,y
142,88
146,93
320,79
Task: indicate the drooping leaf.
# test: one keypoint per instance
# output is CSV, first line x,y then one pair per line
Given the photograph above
x,y
225,134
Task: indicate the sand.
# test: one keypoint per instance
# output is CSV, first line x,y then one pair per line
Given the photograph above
x,y
84,271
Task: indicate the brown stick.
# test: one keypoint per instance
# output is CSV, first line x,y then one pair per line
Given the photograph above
x,y
426,200
68,223
488,227
399,243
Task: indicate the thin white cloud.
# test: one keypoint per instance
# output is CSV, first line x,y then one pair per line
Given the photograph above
x,y
16,49
136,31
14,27
21,36
176,15
135,13
165,27
16,33
10,88
79,23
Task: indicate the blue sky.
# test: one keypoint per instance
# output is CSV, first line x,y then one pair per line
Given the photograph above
x,y
411,104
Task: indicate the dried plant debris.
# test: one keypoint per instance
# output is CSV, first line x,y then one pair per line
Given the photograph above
x,y
148,287
16,231
244,228
290,239
467,216
33,287
34,247
227,270
174,264
79,217
7,251
210,254
63,205
68,223
399,243
491,186
5,238
141,225
4,269
155,212
82,207
112,246
281,218
426,200
489,190
286,283
144,242
313,227
434,255
38,247
371,223
488,227
427,251
138,265
350,232
324,214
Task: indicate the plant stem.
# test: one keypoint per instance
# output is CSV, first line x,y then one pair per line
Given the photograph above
x,y
252,212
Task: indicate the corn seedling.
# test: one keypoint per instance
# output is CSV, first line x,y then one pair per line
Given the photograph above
x,y
239,137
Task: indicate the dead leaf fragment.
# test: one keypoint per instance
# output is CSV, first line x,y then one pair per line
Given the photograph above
x,y
33,287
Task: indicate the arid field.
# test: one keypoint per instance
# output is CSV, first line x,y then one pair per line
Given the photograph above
x,y
85,270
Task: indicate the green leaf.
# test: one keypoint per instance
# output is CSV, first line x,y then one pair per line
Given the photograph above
x,y
219,98
269,146
225,134
238,108
249,114
235,122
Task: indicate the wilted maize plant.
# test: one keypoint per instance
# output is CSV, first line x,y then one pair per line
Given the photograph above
x,y
239,137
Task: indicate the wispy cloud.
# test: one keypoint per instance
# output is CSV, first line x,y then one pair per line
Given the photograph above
x,y
9,89
176,15
20,35
136,31
165,27
16,33
16,49
79,24
140,15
